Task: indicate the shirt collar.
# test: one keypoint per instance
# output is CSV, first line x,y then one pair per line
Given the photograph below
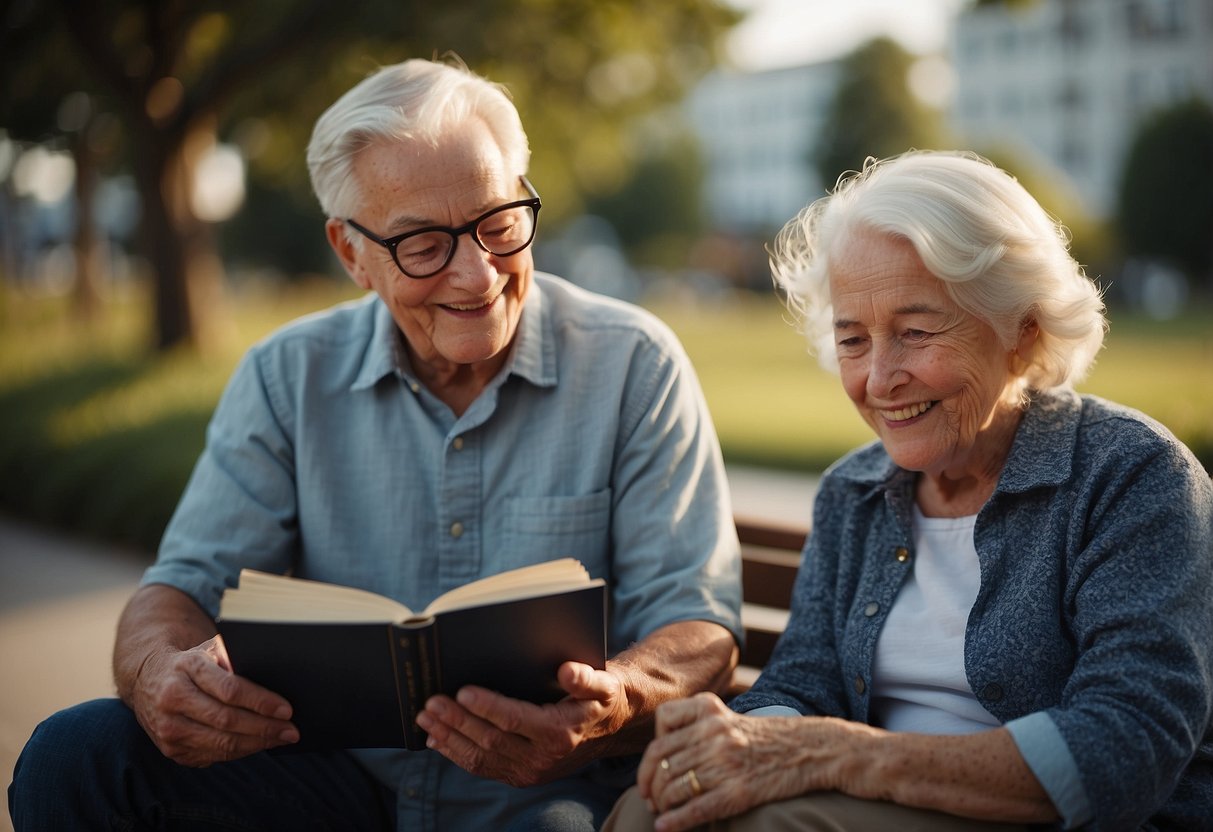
x,y
533,354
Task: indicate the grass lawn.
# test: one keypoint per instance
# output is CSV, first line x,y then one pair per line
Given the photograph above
x,y
98,435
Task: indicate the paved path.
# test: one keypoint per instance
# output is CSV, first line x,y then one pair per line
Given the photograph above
x,y
60,598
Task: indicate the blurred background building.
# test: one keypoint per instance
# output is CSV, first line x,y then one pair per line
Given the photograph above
x,y
1071,80
757,131
1066,83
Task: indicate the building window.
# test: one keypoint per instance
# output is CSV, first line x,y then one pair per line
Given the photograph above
x,y
1155,19
1071,97
1072,29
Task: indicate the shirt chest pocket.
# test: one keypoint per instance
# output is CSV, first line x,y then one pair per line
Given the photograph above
x,y
543,528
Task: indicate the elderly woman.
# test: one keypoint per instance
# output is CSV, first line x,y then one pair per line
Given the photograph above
x,y
1003,615
467,416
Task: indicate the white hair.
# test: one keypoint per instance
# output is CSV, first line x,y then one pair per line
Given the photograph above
x,y
416,100
1000,256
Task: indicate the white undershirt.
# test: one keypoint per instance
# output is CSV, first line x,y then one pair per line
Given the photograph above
x,y
918,677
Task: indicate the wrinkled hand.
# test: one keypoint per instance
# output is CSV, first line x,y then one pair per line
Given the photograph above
x,y
521,743
708,762
198,712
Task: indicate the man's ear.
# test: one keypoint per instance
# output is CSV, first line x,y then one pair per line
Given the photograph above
x,y
334,230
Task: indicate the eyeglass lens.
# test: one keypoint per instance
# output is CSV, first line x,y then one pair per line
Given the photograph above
x,y
502,232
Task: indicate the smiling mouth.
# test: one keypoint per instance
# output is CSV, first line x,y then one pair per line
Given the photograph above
x,y
907,412
470,307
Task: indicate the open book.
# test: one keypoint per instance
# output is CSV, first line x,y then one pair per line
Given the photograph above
x,y
357,667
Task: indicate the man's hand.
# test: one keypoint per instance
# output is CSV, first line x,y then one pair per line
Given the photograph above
x,y
188,700
198,712
520,743
605,712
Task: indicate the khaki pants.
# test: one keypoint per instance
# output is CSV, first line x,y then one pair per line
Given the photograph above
x,y
818,812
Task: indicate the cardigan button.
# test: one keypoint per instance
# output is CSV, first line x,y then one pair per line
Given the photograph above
x,y
992,692
871,609
902,554
860,685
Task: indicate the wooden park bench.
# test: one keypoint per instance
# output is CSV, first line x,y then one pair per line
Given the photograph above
x,y
770,555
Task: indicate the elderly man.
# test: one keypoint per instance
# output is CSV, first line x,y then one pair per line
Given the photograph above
x,y
466,417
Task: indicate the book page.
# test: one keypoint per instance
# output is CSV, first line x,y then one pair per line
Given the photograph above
x,y
538,579
262,596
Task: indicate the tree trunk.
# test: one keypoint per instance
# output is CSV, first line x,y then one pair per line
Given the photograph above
x,y
186,270
85,243
164,249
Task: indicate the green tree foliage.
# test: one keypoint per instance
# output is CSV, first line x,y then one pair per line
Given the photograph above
x,y
873,112
1165,204
657,211
182,74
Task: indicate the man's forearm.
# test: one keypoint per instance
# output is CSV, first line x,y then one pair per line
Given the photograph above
x,y
677,660
156,618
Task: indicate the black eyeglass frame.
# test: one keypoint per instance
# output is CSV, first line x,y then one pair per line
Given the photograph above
x,y
393,243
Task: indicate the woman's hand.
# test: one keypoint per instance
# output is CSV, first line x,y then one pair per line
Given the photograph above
x,y
708,762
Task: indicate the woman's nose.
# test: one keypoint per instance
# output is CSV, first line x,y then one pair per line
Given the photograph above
x,y
886,370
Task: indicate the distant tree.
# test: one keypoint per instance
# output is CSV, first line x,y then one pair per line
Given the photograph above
x,y
182,74
45,100
657,211
873,112
1165,204
169,68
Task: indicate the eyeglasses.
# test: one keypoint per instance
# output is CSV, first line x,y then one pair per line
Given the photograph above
x,y
505,230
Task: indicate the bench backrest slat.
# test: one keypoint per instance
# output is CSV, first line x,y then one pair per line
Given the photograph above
x,y
770,556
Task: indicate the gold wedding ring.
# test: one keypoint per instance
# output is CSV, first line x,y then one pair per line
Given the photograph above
x,y
693,782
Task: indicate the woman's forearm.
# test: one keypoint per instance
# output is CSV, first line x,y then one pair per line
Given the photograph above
x,y
981,776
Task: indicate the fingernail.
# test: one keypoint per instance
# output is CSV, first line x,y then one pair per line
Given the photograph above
x,y
289,735
425,721
283,712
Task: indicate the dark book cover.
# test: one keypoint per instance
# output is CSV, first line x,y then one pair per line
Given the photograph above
x,y
361,685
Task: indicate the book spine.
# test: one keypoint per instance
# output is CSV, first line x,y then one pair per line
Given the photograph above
x,y
413,660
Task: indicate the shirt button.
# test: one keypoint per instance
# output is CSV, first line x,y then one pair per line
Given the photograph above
x,y
902,554
992,692
415,387
410,793
456,529
860,685
871,609
458,443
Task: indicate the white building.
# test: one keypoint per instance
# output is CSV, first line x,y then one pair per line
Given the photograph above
x,y
1070,81
757,131
1065,82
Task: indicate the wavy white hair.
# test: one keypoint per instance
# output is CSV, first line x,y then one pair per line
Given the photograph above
x,y
413,100
1000,256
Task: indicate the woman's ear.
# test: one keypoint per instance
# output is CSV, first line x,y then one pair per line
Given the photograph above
x,y
334,230
1029,331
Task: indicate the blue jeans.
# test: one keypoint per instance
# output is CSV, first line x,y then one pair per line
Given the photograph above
x,y
93,767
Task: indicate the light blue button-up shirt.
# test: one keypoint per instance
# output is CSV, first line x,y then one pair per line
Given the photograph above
x,y
328,458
